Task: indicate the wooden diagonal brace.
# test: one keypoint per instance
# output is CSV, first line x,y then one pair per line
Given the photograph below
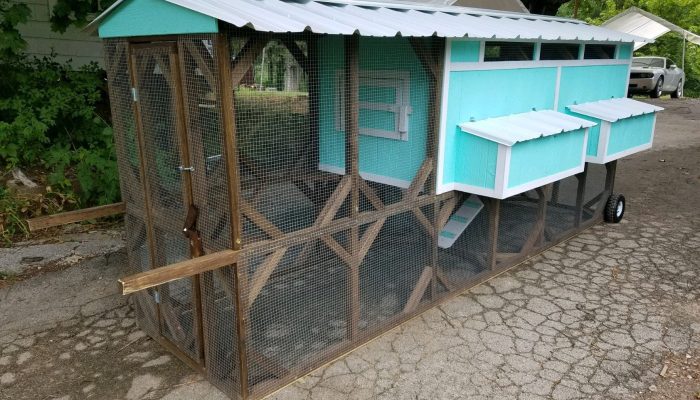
x,y
263,273
371,195
427,225
297,53
258,219
337,249
198,54
425,56
419,290
419,181
245,58
368,238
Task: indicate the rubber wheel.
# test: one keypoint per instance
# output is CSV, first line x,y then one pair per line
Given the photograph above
x,y
678,93
658,89
614,208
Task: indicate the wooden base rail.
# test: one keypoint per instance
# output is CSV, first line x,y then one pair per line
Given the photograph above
x,y
75,216
173,272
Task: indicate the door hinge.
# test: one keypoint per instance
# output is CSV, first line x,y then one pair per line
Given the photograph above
x,y
134,94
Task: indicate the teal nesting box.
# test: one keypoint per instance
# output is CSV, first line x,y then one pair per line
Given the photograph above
x,y
623,127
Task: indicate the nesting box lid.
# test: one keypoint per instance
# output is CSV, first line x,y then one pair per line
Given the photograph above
x,y
612,110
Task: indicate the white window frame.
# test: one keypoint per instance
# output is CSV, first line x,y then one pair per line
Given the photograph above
x,y
398,80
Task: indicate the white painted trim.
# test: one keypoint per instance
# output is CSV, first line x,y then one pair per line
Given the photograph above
x,y
443,117
557,87
482,51
387,180
624,153
582,51
481,191
502,167
470,66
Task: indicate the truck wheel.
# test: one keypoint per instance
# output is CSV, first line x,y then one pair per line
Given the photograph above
x,y
614,208
678,93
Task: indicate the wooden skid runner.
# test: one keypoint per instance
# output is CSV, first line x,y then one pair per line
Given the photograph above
x,y
70,217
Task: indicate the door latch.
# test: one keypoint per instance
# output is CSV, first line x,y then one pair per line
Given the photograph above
x,y
182,168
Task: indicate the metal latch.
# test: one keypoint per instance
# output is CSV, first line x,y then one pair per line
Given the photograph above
x,y
134,94
183,168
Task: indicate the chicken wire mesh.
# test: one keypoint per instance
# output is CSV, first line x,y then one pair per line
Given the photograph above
x,y
342,236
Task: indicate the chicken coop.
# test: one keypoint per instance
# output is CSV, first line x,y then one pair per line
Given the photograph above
x,y
301,176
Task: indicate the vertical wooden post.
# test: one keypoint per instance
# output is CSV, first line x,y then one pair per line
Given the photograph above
x,y
223,60
610,169
352,133
580,195
494,208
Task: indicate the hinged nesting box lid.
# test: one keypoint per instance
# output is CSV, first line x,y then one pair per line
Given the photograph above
x,y
612,110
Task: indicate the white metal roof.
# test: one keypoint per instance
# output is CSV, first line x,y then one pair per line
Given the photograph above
x,y
644,24
612,110
370,18
515,128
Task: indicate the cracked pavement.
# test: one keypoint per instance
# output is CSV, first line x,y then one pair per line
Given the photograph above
x,y
592,318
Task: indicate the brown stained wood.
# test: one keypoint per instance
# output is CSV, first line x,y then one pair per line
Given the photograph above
x,y
337,249
425,57
263,273
227,82
446,211
420,179
204,67
245,58
371,195
537,232
258,219
424,221
334,202
296,52
444,279
75,216
180,270
419,290
367,239
494,210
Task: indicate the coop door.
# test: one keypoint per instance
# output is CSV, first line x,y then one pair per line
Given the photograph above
x,y
167,185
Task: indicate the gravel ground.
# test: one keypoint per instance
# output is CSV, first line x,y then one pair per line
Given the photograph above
x,y
610,314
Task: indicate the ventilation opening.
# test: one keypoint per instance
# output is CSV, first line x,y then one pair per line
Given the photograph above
x,y
559,51
599,52
509,51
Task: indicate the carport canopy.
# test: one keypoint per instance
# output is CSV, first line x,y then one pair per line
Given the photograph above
x,y
638,22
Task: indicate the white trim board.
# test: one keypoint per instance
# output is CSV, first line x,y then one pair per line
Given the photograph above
x,y
386,180
443,117
480,66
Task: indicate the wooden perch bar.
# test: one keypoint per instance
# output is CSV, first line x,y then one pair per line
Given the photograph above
x,y
75,216
172,272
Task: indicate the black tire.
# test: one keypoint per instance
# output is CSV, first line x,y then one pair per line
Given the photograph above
x,y
614,208
678,93
658,89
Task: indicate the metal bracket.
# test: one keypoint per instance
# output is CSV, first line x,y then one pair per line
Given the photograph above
x,y
182,168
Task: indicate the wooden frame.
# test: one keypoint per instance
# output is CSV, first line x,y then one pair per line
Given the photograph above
x,y
432,211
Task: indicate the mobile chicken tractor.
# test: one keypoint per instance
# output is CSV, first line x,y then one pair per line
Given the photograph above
x,y
301,176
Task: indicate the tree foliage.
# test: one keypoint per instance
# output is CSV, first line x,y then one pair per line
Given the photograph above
x,y
684,13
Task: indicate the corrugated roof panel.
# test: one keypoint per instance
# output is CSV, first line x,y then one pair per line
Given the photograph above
x,y
392,19
515,128
612,110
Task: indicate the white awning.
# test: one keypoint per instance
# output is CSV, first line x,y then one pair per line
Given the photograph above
x,y
371,18
612,110
635,21
515,128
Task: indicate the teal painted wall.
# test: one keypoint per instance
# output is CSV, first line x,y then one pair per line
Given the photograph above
x,y
591,83
396,159
464,51
482,94
528,164
624,51
154,17
631,132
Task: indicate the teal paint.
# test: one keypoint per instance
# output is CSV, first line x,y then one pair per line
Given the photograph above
x,y
390,158
631,132
475,161
527,163
154,17
484,94
465,51
624,51
593,133
583,84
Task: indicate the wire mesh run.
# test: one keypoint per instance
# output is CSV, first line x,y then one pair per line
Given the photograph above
x,y
321,171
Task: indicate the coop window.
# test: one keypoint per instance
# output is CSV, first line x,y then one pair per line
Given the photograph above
x,y
509,51
559,51
384,103
599,52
